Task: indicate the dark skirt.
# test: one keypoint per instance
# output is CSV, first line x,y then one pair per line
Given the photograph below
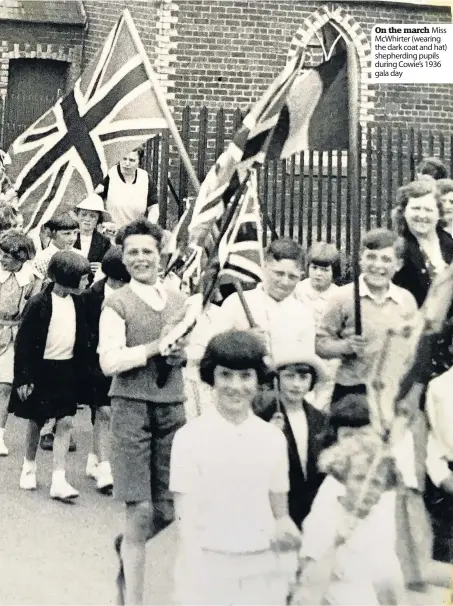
x,y
440,507
54,395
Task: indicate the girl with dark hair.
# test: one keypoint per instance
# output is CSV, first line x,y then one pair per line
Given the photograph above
x,y
97,385
50,353
17,284
229,476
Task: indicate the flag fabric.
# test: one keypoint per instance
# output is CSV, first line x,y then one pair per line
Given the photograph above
x,y
179,238
241,248
315,115
67,153
231,168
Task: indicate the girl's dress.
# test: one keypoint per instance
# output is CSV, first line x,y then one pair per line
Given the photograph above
x,y
15,290
322,394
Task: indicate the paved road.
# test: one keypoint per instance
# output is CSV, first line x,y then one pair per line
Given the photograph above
x,y
52,553
57,554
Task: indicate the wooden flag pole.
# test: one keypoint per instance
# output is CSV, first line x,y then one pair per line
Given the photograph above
x,y
162,101
353,176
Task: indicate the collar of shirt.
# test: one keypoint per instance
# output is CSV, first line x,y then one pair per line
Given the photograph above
x,y
225,425
291,297
392,293
153,295
107,290
23,276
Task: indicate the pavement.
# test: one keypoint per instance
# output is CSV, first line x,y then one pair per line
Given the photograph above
x,y
53,553
58,554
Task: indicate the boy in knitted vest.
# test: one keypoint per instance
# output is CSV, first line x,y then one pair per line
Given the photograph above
x,y
146,410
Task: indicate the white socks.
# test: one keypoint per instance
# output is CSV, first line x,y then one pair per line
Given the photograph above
x,y
29,466
104,467
2,433
59,475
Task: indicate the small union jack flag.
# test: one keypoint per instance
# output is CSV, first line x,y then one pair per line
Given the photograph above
x,y
67,153
240,251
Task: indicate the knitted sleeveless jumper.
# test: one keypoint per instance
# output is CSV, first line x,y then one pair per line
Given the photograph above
x,y
144,324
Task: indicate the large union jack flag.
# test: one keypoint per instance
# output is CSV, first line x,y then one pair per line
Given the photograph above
x,y
67,153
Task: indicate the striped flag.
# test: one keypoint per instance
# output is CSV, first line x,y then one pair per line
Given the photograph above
x,y
241,249
231,168
67,153
316,113
179,238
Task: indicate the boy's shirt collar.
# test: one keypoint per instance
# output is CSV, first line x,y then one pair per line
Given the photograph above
x,y
393,292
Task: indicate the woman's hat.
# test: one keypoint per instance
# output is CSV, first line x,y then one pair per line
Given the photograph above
x,y
286,354
95,203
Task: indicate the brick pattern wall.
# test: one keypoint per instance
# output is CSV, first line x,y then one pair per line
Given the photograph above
x,y
27,41
229,50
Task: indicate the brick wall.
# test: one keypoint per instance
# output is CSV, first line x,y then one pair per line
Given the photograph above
x,y
102,15
26,41
227,51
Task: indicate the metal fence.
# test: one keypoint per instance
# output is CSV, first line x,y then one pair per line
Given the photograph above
x,y
308,196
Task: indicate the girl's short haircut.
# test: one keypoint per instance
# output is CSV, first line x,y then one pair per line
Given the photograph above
x,y
285,248
415,189
434,167
237,350
143,227
63,222
112,265
18,245
444,186
325,255
66,268
302,368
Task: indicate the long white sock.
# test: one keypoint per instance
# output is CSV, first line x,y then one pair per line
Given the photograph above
x,y
104,467
59,475
92,459
29,465
2,433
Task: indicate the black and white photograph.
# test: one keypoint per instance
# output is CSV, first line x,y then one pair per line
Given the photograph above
x,y
226,302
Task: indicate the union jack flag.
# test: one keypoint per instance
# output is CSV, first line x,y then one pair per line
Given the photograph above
x,y
241,248
67,153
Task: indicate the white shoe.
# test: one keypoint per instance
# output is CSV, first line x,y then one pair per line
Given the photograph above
x,y
91,470
4,452
62,490
104,481
28,479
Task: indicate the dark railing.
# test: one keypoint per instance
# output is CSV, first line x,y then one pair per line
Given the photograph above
x,y
306,197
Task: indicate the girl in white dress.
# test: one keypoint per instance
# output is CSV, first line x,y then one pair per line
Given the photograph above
x,y
17,284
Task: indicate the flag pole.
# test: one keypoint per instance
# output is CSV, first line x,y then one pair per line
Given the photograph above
x,y
162,101
353,176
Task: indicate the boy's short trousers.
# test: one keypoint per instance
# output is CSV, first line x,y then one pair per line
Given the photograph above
x,y
142,437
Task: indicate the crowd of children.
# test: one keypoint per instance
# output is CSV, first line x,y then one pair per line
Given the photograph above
x,y
257,432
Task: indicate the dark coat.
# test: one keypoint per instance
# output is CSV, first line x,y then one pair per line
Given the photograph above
x,y
96,384
99,246
414,275
31,338
303,488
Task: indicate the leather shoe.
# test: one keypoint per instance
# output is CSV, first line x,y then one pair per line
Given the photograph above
x,y
46,441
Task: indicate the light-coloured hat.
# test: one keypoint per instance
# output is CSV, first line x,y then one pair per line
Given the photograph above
x,y
284,354
96,203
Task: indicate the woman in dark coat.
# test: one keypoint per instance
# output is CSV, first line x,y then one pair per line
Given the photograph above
x,y
94,245
428,247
